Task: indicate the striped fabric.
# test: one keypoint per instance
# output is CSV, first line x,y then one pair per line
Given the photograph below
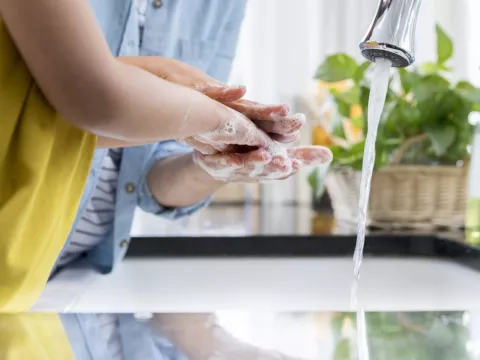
x,y
97,220
94,225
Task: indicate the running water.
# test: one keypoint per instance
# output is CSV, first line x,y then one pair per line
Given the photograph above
x,y
378,94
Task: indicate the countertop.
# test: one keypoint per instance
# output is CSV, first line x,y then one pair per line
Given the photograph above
x,y
399,273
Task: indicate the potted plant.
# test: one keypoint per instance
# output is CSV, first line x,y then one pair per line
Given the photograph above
x,y
412,336
422,147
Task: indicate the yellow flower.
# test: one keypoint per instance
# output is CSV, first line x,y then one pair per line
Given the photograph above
x,y
353,133
321,137
341,86
355,111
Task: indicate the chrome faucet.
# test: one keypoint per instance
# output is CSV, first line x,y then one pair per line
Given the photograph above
x,y
392,32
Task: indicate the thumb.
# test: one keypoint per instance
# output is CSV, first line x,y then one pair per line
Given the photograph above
x,y
222,92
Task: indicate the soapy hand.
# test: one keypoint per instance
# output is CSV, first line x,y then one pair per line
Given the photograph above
x,y
236,133
261,165
275,120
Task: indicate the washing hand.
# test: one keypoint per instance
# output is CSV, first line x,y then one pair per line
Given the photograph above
x,y
261,165
200,337
275,120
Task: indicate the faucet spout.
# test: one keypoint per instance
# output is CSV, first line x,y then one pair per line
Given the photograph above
x,y
392,32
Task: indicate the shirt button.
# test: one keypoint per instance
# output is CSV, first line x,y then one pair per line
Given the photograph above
x,y
131,44
130,188
124,244
157,4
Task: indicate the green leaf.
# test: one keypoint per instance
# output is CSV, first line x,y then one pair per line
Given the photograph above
x,y
343,107
346,99
408,79
312,178
316,180
444,46
433,68
351,157
338,131
358,122
364,97
342,350
470,93
359,74
429,86
336,68
442,138
351,96
465,86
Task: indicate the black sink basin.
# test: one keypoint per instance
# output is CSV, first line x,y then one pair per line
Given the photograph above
x,y
405,246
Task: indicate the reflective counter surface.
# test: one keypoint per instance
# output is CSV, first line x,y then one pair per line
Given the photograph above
x,y
255,282
240,335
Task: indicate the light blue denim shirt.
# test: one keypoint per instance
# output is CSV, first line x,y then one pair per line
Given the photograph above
x,y
138,340
202,33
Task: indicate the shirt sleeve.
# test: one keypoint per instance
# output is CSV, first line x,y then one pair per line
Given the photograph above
x,y
147,202
221,64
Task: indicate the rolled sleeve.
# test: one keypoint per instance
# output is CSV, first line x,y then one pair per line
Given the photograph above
x,y
147,202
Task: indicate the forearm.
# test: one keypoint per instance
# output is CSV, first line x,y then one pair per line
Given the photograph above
x,y
192,334
150,109
200,337
177,181
66,53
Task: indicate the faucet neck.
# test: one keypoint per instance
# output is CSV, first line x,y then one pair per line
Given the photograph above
x,y
392,32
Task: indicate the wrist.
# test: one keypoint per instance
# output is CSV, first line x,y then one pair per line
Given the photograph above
x,y
200,176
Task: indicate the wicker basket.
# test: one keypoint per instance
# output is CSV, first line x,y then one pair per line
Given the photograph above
x,y
403,196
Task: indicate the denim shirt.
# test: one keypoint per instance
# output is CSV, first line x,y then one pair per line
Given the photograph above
x,y
202,33
139,341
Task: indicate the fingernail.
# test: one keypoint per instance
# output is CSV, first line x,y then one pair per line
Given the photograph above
x,y
297,164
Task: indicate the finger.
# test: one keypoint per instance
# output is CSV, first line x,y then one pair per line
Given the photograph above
x,y
178,72
257,111
279,167
260,156
311,155
238,130
296,165
286,139
223,161
222,92
197,145
288,176
283,125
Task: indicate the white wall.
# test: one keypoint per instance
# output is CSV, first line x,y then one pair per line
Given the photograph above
x,y
283,42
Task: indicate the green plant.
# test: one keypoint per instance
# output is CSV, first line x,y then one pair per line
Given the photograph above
x,y
423,110
412,336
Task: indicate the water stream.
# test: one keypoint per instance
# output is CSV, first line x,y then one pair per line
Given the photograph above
x,y
378,94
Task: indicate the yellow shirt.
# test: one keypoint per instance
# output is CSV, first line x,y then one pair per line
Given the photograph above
x,y
33,337
44,165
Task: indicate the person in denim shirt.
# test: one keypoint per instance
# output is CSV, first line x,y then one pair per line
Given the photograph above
x,y
202,34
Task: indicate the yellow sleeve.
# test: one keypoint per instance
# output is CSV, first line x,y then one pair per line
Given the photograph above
x,y
44,166
33,336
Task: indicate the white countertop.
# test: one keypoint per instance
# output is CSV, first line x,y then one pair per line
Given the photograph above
x,y
193,285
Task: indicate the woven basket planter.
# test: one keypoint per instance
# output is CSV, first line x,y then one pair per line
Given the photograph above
x,y
403,196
